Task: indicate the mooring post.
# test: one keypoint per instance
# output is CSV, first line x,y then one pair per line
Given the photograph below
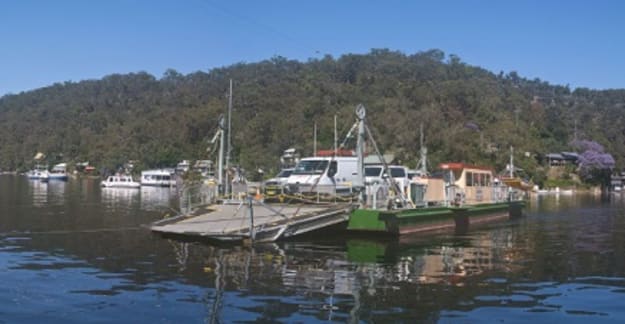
x,y
188,201
374,197
250,206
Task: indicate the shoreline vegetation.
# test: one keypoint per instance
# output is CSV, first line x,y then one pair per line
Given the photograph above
x,y
471,114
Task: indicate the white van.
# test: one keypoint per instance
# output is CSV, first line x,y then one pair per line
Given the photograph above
x,y
374,174
324,175
399,173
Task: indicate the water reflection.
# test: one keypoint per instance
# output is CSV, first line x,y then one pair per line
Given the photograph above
x,y
527,266
145,198
344,280
39,192
157,198
555,201
47,193
120,197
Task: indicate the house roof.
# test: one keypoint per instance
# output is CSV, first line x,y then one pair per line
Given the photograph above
x,y
555,156
570,155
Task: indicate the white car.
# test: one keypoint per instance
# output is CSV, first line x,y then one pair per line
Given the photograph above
x,y
280,179
274,187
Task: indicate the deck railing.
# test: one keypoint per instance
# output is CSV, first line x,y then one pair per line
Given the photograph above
x,y
194,195
317,193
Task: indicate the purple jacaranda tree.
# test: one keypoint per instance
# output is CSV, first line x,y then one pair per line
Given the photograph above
x,y
595,165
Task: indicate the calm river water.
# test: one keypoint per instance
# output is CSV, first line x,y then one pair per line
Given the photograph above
x,y
72,252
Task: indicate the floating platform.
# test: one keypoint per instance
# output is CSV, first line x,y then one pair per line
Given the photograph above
x,y
260,223
418,220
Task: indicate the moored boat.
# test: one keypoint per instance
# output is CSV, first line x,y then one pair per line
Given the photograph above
x,y
457,196
58,172
120,181
44,176
40,171
158,178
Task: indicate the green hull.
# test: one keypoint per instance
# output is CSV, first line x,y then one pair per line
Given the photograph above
x,y
405,221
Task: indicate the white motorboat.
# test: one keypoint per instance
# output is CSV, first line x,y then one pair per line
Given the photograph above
x,y
120,181
158,178
58,172
40,171
44,176
183,167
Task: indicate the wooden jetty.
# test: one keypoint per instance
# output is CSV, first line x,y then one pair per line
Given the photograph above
x,y
253,220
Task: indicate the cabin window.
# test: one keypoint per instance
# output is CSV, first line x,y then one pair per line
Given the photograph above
x,y
469,180
456,173
333,169
284,174
450,176
479,179
311,167
398,172
373,171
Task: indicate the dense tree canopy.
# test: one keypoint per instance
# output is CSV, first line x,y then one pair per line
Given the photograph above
x,y
469,114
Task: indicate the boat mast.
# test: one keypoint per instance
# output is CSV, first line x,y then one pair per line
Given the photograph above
x,y
335,139
511,162
220,165
315,140
360,146
424,154
220,158
229,143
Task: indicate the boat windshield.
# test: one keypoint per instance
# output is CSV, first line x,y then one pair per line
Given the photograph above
x,y
311,167
373,171
285,173
398,172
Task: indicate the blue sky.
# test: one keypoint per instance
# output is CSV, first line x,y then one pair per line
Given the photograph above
x,y
579,43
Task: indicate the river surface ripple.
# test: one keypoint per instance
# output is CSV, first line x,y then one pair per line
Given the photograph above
x,y
71,252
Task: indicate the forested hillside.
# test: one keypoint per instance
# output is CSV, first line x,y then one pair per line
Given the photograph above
x,y
469,114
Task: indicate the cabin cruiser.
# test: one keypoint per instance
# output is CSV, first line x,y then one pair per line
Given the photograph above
x,y
58,172
158,178
120,181
183,166
38,173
